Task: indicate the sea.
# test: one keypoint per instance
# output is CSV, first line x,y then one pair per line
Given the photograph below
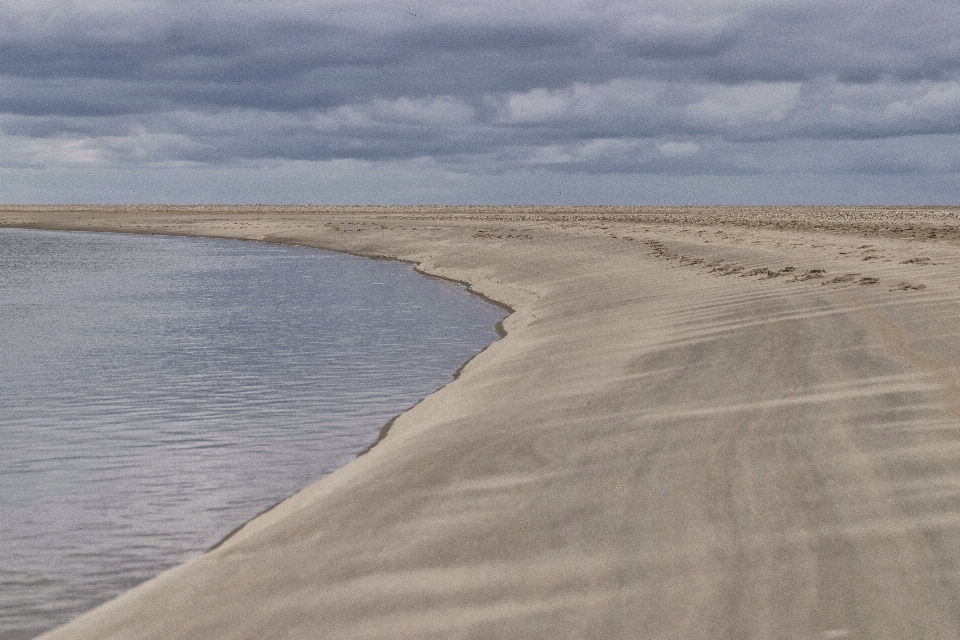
x,y
156,392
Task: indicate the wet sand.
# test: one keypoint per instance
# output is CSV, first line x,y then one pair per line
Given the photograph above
x,y
702,423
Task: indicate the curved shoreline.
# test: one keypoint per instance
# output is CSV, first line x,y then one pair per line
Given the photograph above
x,y
709,423
18,620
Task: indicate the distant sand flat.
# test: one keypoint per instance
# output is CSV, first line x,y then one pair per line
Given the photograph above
x,y
708,423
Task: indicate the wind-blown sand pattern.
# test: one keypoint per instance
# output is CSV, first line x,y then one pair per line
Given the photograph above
x,y
702,423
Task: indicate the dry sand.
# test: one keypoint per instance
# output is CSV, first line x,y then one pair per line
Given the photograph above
x,y
703,423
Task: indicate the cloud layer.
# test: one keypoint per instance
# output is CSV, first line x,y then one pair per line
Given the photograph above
x,y
471,92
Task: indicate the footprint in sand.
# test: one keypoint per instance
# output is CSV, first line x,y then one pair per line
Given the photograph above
x,y
769,273
812,274
908,286
847,277
723,269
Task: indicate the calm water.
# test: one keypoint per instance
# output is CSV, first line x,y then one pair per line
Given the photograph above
x,y
156,392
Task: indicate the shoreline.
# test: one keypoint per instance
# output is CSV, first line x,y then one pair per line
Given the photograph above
x,y
705,427
381,432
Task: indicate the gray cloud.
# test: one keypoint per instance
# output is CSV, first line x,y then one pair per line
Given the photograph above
x,y
733,88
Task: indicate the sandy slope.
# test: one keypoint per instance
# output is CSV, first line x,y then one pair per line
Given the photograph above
x,y
713,424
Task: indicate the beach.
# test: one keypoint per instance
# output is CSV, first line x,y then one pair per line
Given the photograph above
x,y
718,422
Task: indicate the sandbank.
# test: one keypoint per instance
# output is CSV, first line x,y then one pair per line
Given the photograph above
x,y
705,423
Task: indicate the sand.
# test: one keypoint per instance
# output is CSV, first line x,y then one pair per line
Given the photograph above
x,y
702,423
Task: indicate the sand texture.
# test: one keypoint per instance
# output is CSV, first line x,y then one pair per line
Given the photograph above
x,y
711,424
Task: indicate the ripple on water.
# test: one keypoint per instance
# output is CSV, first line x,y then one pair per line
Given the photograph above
x,y
156,392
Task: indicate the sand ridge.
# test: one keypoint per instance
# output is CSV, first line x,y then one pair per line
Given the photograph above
x,y
702,423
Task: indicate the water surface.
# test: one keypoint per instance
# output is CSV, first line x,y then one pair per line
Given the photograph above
x,y
155,392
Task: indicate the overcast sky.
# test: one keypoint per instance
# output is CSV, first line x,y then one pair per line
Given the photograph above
x,y
481,101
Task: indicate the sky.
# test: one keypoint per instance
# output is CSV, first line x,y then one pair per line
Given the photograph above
x,y
480,102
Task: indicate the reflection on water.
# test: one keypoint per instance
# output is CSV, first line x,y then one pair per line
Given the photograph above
x,y
156,392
